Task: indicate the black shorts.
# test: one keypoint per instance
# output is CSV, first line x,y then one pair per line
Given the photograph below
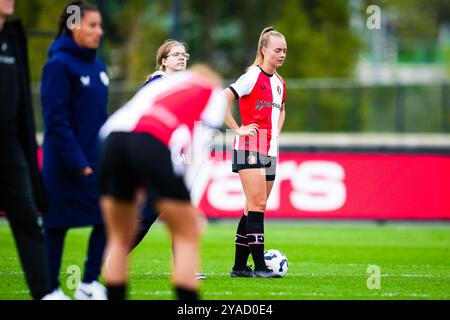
x,y
137,160
243,159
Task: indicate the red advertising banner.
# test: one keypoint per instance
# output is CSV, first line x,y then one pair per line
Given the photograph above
x,y
338,186
335,185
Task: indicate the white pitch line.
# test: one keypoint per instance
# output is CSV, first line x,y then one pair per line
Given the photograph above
x,y
366,264
364,275
320,294
290,274
153,293
12,272
304,294
417,275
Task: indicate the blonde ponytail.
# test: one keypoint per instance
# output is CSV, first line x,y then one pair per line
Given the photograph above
x,y
264,39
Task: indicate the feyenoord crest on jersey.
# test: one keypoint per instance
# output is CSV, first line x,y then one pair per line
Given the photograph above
x,y
251,159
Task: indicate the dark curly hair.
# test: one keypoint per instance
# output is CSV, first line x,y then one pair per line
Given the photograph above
x,y
66,14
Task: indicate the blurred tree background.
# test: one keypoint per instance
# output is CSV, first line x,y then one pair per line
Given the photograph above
x,y
223,34
327,42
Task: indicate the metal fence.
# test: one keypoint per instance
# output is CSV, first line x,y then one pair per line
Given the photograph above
x,y
339,105
349,106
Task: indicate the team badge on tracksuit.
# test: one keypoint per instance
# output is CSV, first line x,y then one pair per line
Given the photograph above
x,y
85,81
104,77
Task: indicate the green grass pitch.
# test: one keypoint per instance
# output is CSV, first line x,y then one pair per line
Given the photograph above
x,y
326,261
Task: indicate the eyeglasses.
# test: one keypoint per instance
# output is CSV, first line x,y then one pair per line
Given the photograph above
x,y
177,54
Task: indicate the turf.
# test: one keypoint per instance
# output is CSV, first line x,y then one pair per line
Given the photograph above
x,y
326,261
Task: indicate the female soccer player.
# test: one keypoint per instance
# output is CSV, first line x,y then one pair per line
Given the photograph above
x,y
171,57
261,95
74,95
142,149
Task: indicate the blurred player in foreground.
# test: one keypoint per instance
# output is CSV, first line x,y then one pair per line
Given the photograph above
x,y
151,144
171,57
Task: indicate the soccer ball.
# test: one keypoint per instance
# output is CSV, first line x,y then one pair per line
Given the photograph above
x,y
276,261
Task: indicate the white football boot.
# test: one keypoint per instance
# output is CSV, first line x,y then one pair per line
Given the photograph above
x,y
90,291
56,294
200,276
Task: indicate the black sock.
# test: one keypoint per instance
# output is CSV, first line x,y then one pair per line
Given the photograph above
x,y
255,238
186,294
242,249
96,247
117,291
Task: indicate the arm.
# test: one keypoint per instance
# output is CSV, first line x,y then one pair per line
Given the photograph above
x,y
229,119
56,94
281,119
282,112
249,130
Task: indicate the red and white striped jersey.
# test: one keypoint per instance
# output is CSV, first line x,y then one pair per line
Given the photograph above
x,y
261,98
161,108
178,110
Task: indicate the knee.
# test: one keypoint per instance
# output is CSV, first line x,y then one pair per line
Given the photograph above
x,y
120,240
258,205
120,244
202,224
191,227
194,230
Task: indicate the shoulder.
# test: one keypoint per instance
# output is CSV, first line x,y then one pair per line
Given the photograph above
x,y
280,78
62,57
100,63
57,66
15,26
59,60
16,33
251,75
155,76
253,71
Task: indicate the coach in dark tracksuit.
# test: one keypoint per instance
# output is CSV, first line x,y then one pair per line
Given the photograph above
x,y
74,103
21,190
